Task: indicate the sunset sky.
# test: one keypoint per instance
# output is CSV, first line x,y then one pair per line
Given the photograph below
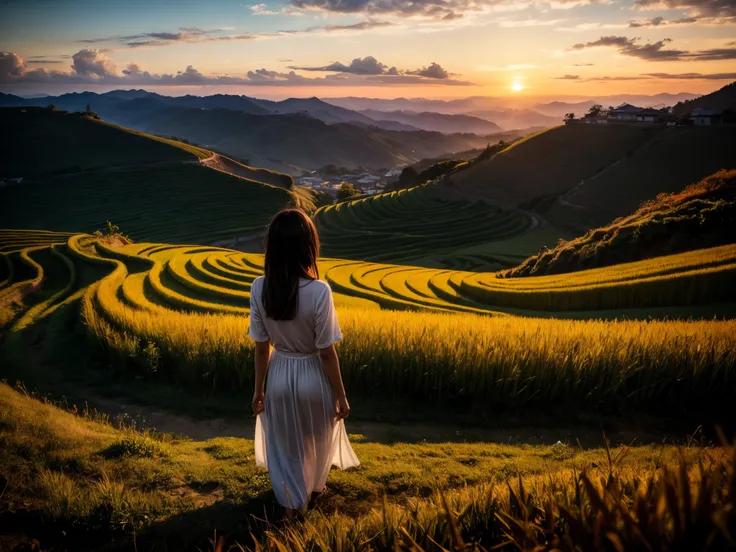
x,y
377,48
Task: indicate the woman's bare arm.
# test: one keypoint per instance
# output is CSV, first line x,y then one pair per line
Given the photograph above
x,y
262,354
331,366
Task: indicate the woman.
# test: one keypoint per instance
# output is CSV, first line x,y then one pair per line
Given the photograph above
x,y
300,428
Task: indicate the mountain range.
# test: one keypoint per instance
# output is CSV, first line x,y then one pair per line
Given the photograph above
x,y
291,135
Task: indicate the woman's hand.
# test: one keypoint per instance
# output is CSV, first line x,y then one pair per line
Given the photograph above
x,y
342,408
257,403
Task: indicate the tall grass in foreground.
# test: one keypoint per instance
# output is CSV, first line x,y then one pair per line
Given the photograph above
x,y
684,507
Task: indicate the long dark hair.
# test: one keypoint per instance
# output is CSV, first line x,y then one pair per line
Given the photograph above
x,y
292,248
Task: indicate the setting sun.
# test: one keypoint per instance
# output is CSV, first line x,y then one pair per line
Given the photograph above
x,y
516,86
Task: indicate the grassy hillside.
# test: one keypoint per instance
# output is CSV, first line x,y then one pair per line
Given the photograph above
x,y
39,141
673,159
701,215
183,203
549,163
76,481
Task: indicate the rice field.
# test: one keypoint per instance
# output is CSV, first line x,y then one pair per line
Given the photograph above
x,y
412,223
437,336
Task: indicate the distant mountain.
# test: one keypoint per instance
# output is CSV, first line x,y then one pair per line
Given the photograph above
x,y
516,118
560,108
439,122
293,133
724,98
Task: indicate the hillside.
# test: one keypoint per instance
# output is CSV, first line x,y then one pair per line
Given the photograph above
x,y
724,98
439,122
80,172
38,141
701,215
549,163
669,161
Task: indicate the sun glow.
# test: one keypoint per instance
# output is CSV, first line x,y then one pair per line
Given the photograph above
x,y
516,86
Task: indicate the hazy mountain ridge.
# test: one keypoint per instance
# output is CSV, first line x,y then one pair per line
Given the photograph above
x,y
430,120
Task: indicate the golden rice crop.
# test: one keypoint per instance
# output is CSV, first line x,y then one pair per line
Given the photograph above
x,y
198,322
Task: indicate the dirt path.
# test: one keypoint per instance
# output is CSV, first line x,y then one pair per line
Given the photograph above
x,y
200,430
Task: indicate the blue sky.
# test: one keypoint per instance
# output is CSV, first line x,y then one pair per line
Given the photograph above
x,y
431,48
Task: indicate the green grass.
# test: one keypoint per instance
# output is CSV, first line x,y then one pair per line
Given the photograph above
x,y
183,203
550,162
92,482
38,141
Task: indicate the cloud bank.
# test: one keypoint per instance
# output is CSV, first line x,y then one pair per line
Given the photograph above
x,y
654,51
91,66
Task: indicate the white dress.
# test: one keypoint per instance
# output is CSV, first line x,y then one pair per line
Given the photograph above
x,y
298,437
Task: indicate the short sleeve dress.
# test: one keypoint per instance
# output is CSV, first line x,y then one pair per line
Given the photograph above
x,y
298,438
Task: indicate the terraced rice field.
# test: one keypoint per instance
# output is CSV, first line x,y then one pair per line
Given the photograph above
x,y
181,312
408,224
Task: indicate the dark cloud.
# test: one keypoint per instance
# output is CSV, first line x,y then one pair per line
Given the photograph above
x,y
662,22
371,66
434,71
447,10
707,12
655,51
693,76
41,61
90,66
184,34
359,66
362,26
568,77
629,47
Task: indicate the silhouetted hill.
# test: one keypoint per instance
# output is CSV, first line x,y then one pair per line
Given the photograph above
x,y
702,215
724,98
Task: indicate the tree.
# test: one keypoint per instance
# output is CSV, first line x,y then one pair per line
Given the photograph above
x,y
409,177
594,111
569,117
346,191
89,109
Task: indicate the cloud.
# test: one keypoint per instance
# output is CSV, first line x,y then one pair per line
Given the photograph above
x,y
668,76
662,22
11,64
568,77
371,66
90,66
197,35
444,10
693,76
706,12
362,26
434,71
582,65
654,51
359,66
89,62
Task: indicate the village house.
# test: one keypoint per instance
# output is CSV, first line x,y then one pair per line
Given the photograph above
x,y
624,112
706,117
